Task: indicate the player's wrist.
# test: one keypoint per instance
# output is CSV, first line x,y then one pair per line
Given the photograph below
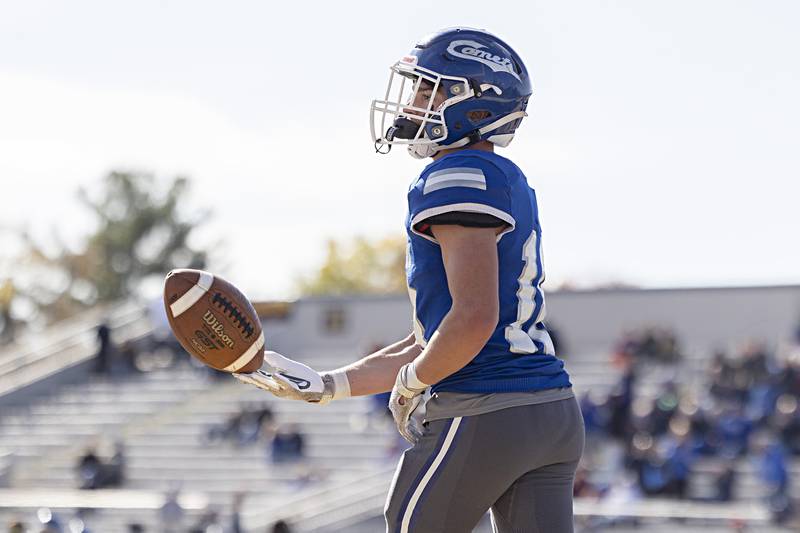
x,y
338,382
413,381
410,381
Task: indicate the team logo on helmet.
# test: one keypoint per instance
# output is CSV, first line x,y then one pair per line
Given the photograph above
x,y
472,50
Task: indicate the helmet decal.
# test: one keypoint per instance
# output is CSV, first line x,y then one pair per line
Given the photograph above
x,y
472,50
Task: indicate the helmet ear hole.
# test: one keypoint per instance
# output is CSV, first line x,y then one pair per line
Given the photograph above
x,y
478,115
457,89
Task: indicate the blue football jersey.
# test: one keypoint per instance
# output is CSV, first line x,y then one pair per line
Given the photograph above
x,y
519,356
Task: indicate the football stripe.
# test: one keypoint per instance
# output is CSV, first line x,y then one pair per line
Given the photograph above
x,y
192,295
247,356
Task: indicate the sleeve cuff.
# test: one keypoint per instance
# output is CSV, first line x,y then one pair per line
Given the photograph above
x,y
467,207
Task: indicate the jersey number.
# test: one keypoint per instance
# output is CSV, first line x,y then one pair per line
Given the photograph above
x,y
519,340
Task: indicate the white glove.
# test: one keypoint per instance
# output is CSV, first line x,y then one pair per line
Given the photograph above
x,y
286,378
406,396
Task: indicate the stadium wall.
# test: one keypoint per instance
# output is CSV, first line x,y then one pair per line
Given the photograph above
x,y
703,318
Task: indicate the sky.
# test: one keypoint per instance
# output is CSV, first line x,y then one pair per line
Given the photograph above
x,y
662,139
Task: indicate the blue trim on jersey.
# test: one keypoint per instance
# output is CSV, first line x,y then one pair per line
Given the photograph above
x,y
421,474
518,356
421,502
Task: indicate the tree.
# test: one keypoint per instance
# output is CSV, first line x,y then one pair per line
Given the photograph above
x,y
359,267
7,322
141,233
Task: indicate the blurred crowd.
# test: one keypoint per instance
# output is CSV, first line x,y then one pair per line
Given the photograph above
x,y
666,428
692,435
652,343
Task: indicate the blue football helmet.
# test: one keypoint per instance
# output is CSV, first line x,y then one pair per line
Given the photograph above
x,y
484,84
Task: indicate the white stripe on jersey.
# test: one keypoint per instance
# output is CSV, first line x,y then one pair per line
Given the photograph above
x,y
455,177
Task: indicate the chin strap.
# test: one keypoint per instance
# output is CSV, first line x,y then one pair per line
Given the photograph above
x,y
429,150
476,135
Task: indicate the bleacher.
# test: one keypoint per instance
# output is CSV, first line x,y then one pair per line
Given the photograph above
x,y
162,416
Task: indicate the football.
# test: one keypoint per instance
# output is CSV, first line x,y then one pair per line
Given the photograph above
x,y
213,321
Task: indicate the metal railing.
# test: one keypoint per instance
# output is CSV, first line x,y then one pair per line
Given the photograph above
x,y
62,346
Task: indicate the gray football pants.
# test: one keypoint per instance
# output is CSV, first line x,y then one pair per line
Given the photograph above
x,y
519,462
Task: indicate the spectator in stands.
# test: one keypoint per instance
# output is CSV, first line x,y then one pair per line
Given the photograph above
x,y
755,362
595,411
734,431
771,463
114,470
227,430
89,469
243,427
280,527
724,482
94,473
704,440
103,357
679,458
288,445
789,376
648,345
619,405
652,472
721,376
171,513
663,465
786,422
257,421
664,407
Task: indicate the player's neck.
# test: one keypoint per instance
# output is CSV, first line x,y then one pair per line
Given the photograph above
x,y
486,146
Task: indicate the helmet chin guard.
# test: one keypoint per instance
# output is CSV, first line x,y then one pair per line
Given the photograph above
x,y
423,151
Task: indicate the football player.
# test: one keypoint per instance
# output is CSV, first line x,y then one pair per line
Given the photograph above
x,y
501,429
